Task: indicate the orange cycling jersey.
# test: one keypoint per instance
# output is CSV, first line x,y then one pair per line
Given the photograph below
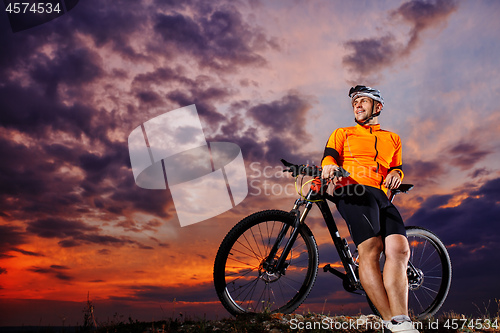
x,y
366,152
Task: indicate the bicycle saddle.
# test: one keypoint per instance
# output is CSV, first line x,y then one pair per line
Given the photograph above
x,y
403,188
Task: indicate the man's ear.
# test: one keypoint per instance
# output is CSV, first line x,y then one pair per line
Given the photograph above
x,y
378,106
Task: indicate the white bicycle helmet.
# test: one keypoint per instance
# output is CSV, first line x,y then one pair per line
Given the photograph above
x,y
358,91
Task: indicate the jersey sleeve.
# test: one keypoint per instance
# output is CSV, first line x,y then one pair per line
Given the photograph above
x,y
334,148
397,158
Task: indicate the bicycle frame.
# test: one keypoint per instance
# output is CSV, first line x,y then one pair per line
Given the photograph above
x,y
350,278
270,261
318,195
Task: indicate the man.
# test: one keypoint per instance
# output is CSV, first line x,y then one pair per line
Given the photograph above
x,y
374,159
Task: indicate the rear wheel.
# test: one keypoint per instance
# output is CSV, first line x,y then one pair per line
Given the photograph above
x,y
241,280
429,273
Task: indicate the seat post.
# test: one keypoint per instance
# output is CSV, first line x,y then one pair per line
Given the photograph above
x,y
392,194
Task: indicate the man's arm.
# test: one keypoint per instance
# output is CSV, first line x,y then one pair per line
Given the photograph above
x,y
331,157
395,175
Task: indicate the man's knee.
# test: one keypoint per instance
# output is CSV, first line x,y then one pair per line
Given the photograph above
x,y
397,248
371,249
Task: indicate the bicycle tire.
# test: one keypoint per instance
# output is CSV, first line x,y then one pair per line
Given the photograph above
x,y
429,255
243,287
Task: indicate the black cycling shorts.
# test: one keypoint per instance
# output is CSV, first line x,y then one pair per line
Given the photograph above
x,y
368,212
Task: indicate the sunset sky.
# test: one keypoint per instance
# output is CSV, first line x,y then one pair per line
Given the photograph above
x,y
269,76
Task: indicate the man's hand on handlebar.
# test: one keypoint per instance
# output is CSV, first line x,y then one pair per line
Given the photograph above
x,y
329,172
393,180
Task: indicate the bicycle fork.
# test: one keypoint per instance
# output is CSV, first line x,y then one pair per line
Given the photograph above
x,y
278,265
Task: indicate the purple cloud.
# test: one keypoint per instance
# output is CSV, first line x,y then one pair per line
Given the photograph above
x,y
371,55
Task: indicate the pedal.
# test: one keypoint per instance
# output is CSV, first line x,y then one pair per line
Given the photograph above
x,y
328,268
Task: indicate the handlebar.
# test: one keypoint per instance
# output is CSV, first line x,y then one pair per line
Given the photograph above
x,y
310,170
318,184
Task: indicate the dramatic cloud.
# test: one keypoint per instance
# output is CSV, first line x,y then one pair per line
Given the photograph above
x,y
466,155
422,15
10,237
72,90
219,39
423,170
202,292
278,131
55,270
75,233
58,228
469,230
372,54
28,253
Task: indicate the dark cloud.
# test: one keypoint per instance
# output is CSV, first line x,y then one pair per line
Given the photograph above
x,y
59,267
76,233
490,191
285,115
220,39
28,253
31,111
59,228
204,91
465,155
10,238
104,252
423,169
100,20
161,76
479,172
436,201
134,226
201,292
134,198
467,221
54,270
69,67
149,97
478,212
424,14
105,165
16,176
60,62
281,122
370,55
204,100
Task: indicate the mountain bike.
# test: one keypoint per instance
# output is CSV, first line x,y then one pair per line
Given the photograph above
x,y
268,262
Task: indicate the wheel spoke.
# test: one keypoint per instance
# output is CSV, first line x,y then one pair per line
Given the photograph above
x,y
250,287
429,256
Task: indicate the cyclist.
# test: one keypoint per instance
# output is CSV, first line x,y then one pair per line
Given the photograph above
x,y
374,159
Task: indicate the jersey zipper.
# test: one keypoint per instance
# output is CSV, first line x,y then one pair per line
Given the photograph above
x,y
375,158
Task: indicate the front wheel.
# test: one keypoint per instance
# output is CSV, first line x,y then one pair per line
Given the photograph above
x,y
429,273
241,280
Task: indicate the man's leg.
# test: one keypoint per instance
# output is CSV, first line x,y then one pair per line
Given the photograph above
x,y
397,253
371,277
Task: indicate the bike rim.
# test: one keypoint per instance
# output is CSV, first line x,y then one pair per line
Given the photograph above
x,y
249,286
425,291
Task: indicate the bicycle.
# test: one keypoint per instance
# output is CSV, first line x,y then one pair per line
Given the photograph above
x,y
268,262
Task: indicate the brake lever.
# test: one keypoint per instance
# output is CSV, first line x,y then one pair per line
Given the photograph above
x,y
341,172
